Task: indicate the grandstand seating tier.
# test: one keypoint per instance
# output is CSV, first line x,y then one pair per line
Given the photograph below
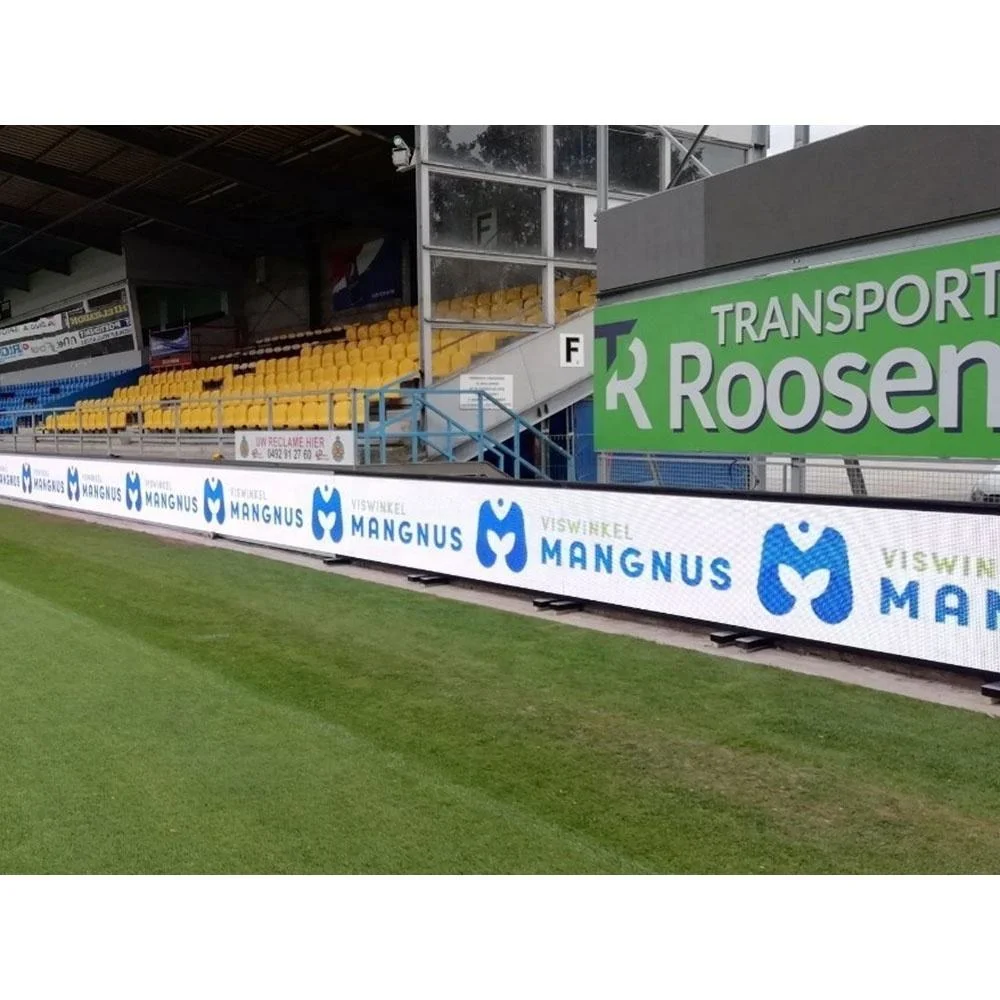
x,y
20,401
306,380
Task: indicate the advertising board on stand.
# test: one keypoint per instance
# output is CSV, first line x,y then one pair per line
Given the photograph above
x,y
63,332
327,448
170,348
910,581
42,325
888,356
59,343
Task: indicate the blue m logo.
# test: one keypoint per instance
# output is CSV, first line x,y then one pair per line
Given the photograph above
x,y
823,570
133,491
73,483
328,514
501,536
215,501
26,478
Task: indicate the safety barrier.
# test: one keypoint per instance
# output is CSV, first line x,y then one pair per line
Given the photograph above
x,y
916,580
378,419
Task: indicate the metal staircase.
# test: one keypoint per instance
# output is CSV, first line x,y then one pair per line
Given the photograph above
x,y
456,422
541,385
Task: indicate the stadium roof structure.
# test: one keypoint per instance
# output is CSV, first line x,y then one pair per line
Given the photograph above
x,y
240,190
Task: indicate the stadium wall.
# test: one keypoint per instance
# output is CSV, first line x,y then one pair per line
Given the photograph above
x,y
94,272
914,580
122,361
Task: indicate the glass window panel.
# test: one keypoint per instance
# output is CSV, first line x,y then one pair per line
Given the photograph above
x,y
485,291
717,157
633,159
485,215
575,153
575,225
512,149
576,289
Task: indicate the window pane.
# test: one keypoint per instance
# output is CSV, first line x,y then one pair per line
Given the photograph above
x,y
575,225
484,291
633,159
716,157
485,215
575,153
575,289
512,149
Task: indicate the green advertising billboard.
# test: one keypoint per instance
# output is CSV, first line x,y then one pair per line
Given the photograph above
x,y
889,356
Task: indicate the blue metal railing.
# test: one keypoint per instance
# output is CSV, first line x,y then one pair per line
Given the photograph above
x,y
406,422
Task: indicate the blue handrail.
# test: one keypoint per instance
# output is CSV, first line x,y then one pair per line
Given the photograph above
x,y
418,403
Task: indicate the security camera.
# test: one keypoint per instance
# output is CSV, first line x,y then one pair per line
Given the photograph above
x,y
402,155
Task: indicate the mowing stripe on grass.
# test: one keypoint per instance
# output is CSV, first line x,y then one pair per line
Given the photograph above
x,y
175,708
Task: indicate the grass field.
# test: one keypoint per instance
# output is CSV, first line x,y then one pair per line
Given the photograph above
x,y
170,708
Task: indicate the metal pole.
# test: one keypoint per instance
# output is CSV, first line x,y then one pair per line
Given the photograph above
x,y
798,467
687,156
602,168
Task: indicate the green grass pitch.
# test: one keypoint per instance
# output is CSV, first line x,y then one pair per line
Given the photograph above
x,y
172,708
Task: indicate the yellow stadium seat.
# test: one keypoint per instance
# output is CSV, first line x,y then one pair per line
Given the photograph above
x,y
279,415
569,301
340,358
484,343
392,315
398,351
294,416
383,353
441,364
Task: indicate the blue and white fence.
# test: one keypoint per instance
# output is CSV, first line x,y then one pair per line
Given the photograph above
x,y
922,582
